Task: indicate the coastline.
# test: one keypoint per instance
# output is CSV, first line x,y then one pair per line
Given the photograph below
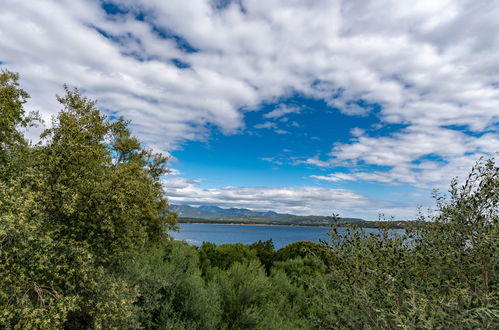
x,y
360,224
255,224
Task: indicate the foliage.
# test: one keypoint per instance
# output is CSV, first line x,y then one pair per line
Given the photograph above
x,y
101,186
47,282
250,299
13,147
302,249
265,253
12,99
69,208
172,292
84,245
224,256
440,274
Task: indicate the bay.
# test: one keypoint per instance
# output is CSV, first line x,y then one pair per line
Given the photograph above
x,y
196,234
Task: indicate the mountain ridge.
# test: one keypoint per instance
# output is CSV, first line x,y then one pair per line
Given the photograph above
x,y
216,212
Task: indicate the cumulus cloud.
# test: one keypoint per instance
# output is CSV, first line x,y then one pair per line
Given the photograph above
x,y
420,156
294,200
267,124
176,68
282,110
272,160
313,161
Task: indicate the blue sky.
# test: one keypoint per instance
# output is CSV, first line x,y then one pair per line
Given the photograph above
x,y
311,107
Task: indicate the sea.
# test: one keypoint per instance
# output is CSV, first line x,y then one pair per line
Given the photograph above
x,y
196,234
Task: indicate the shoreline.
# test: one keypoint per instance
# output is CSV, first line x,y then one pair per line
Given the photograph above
x,y
255,224
341,225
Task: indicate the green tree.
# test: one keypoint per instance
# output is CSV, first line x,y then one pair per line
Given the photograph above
x,y
12,100
101,186
265,253
47,282
302,249
69,207
252,300
173,294
441,274
223,256
13,119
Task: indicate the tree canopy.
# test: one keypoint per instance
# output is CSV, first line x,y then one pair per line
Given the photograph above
x,y
77,201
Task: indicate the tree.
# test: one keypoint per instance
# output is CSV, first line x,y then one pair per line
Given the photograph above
x,y
440,274
69,208
172,292
48,281
13,119
102,188
265,253
12,99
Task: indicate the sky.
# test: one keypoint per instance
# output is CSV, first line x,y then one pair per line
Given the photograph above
x,y
353,107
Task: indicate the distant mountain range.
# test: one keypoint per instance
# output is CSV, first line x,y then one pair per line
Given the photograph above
x,y
216,214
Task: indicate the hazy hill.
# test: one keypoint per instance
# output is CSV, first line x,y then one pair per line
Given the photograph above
x,y
215,214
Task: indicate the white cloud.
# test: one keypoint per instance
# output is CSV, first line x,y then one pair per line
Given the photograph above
x,y
335,177
420,156
281,131
313,161
294,200
272,160
266,124
282,110
428,64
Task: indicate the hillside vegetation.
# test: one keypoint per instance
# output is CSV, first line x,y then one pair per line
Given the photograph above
x,y
84,245
215,214
311,220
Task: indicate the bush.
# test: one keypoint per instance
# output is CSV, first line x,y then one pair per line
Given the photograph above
x,y
224,256
172,292
443,273
48,283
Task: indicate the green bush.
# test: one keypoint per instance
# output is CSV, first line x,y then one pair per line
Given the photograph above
x,y
172,292
441,274
265,253
48,283
223,256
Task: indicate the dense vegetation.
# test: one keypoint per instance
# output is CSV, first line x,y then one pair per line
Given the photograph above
x,y
215,214
83,244
308,221
312,221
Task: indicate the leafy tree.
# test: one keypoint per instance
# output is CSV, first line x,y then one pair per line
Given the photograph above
x,y
172,293
13,119
224,255
69,208
101,186
244,290
302,249
299,269
12,99
48,282
252,300
441,274
265,253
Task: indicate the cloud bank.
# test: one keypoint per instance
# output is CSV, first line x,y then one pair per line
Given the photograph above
x,y
179,69
295,200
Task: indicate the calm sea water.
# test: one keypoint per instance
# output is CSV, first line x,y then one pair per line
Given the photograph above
x,y
196,234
